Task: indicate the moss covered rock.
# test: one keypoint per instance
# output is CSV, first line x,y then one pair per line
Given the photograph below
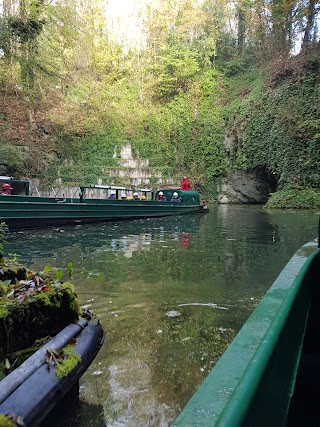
x,y
6,421
33,307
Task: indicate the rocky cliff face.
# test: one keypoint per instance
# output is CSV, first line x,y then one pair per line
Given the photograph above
x,y
244,187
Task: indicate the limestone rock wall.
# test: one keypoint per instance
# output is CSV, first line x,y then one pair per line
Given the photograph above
x,y
242,186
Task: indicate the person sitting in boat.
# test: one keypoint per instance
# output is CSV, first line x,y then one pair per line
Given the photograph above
x,y
123,196
143,198
112,194
185,184
6,189
135,196
161,197
175,198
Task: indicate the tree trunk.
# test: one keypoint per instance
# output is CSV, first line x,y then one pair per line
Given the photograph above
x,y
241,28
309,25
282,25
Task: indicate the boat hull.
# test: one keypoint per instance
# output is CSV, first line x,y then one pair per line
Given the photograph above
x,y
262,374
31,212
42,390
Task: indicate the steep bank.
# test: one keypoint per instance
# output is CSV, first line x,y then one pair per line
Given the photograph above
x,y
273,126
239,135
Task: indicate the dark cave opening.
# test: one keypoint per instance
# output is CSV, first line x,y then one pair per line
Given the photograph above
x,y
269,178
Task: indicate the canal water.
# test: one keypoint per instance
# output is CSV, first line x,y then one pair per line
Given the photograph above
x,y
170,294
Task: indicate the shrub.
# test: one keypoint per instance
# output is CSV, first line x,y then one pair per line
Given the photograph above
x,y
295,199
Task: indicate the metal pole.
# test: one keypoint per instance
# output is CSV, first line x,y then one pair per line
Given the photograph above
x,y
54,193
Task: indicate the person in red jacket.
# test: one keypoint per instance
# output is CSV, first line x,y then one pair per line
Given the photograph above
x,y
185,184
6,189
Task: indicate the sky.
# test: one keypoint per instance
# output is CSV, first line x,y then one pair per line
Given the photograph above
x,y
124,22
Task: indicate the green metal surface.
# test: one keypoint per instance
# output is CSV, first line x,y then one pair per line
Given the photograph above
x,y
28,211
187,197
253,382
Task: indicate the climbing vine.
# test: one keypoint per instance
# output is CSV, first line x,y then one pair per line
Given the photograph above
x,y
182,136
280,131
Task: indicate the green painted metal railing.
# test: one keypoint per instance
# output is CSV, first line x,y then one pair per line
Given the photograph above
x,y
253,382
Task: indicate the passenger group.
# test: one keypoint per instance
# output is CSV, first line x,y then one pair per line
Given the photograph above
x,y
185,185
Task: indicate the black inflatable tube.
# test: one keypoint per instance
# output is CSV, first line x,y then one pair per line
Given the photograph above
x,y
42,390
19,375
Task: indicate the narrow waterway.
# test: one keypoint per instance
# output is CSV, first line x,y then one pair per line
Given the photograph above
x,y
170,294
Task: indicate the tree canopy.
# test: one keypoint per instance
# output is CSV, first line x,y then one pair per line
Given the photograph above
x,y
198,69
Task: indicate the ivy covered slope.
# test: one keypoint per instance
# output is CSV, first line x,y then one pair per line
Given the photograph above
x,y
182,133
276,117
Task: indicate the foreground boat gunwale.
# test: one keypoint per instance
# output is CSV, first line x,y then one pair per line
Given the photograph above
x,y
225,396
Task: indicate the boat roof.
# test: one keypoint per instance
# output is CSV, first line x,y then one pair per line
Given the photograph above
x,y
12,180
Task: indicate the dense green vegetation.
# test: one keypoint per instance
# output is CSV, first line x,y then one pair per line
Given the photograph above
x,y
73,94
295,199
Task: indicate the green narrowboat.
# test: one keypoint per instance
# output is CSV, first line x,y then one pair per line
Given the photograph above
x,y
269,375
91,203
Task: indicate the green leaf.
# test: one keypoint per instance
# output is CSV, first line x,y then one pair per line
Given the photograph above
x,y
59,274
70,269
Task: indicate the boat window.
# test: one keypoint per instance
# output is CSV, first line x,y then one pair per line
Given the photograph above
x,y
193,199
187,198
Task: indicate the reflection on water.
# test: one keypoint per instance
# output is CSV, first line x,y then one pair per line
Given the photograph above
x,y
134,273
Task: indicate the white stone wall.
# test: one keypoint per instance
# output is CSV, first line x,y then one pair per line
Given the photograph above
x,y
136,177
132,172
127,160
